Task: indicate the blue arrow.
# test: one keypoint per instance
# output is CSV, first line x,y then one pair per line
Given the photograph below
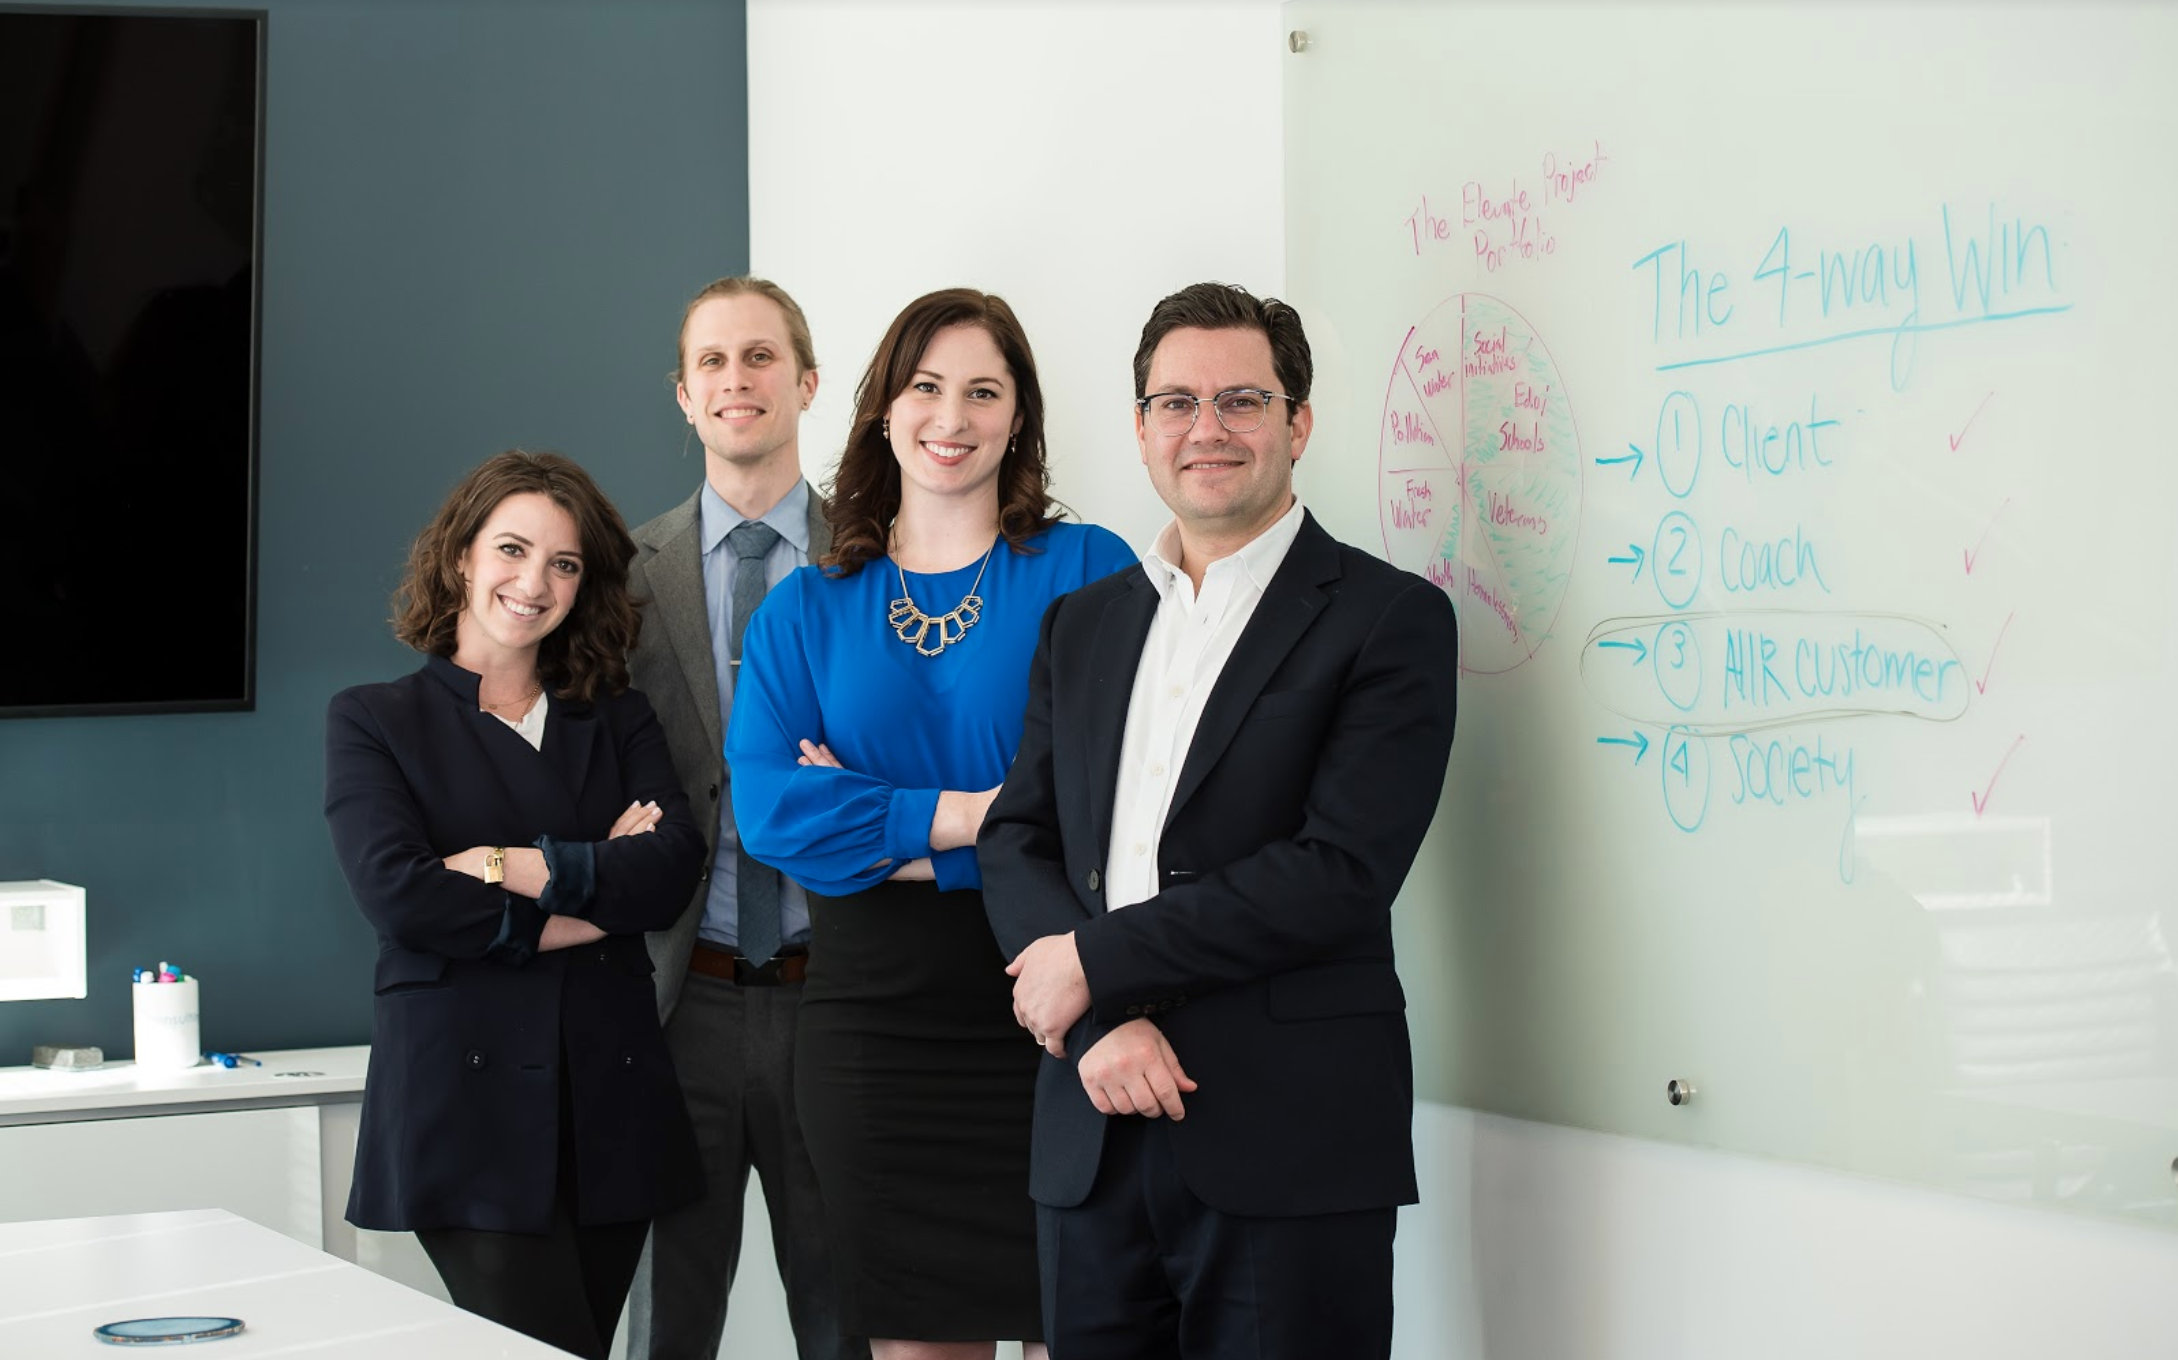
x,y
1639,648
1633,457
1639,741
1636,559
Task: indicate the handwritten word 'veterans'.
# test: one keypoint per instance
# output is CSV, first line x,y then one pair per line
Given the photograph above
x,y
1505,227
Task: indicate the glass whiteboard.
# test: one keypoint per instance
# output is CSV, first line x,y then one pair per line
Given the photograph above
x,y
1775,389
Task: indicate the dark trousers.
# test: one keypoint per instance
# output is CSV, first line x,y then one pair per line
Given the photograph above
x,y
564,1288
733,1046
1143,1270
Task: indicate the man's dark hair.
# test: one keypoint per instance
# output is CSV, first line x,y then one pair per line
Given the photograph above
x,y
1229,307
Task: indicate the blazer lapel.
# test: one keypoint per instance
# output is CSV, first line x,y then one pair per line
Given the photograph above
x,y
570,730
677,587
1289,605
1117,650
570,736
820,528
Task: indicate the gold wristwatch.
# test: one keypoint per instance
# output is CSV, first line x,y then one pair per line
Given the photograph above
x,y
495,864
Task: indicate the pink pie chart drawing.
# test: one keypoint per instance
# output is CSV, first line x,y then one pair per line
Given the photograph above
x,y
1480,469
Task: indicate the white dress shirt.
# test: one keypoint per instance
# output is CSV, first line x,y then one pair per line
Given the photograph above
x,y
1189,642
530,726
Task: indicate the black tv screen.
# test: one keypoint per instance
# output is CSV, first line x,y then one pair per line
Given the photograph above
x,y
130,190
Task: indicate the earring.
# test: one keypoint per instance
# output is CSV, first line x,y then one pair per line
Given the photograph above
x,y
1013,444
886,426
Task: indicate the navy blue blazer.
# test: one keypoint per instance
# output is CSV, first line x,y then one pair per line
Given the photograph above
x,y
1266,955
474,1033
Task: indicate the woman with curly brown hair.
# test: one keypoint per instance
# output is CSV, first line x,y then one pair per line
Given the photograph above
x,y
879,703
509,822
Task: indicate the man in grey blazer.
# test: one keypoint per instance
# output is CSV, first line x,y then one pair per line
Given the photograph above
x,y
729,971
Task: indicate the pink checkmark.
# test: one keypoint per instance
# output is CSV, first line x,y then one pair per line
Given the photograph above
x,y
1968,425
1975,551
1981,686
1981,800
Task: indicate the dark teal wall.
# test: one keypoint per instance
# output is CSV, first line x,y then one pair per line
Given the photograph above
x,y
481,220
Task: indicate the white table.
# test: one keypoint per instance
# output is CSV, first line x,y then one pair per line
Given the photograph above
x,y
60,1278
273,1144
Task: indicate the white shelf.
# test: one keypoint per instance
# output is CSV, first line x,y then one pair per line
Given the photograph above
x,y
120,1090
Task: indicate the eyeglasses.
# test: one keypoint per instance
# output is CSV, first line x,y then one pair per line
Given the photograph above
x,y
1239,409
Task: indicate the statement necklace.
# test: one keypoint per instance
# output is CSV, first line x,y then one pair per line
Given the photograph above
x,y
914,627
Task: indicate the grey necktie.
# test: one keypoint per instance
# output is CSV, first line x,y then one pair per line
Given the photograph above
x,y
756,886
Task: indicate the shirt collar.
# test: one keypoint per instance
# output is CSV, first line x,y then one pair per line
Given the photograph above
x,y
790,517
1259,558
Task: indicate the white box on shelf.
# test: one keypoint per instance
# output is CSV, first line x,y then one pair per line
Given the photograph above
x,y
41,940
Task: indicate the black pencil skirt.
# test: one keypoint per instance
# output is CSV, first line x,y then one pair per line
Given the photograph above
x,y
914,1087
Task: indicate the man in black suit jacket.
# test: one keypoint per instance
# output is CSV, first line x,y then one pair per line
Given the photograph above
x,y
1232,753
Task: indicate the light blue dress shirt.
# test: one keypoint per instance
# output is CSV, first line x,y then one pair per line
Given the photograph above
x,y
790,517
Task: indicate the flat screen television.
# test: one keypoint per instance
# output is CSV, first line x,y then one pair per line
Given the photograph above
x,y
131,184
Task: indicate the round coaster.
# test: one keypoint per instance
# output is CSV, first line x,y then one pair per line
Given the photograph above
x,y
166,1331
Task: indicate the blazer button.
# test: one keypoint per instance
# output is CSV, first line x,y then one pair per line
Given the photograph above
x,y
627,1063
714,793
1095,879
603,957
475,1059
1134,1010
705,876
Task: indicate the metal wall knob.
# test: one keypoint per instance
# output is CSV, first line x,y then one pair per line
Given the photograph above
x,y
1679,1091
1297,41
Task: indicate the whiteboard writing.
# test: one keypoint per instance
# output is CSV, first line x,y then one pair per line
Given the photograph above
x,y
1997,267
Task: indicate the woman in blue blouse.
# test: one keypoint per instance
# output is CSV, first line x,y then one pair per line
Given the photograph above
x,y
879,704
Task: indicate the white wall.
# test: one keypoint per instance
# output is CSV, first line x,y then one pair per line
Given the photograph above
x,y
902,147
1540,1243
897,148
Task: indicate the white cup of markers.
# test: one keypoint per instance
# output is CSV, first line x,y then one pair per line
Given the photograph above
x,y
166,1018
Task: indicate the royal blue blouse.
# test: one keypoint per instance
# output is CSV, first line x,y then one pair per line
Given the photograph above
x,y
820,661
